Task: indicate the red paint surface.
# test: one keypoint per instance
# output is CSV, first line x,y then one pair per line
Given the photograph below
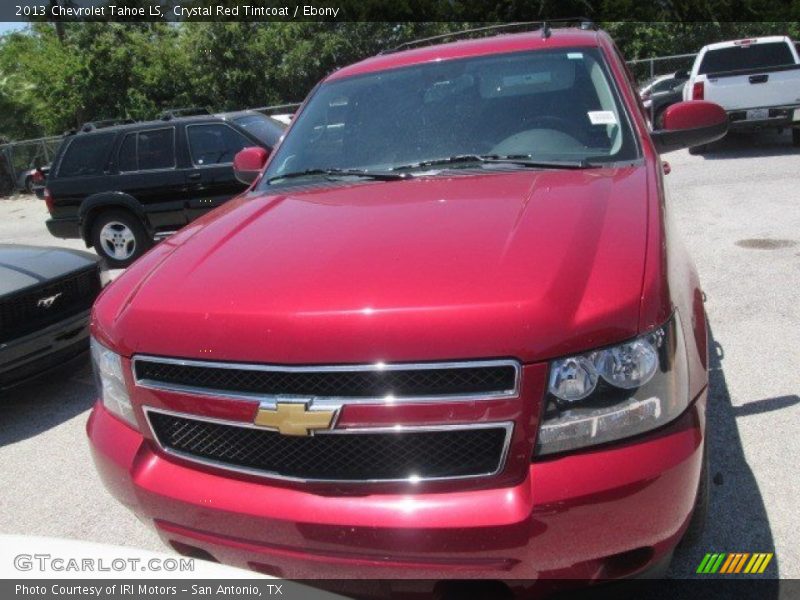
x,y
694,115
529,265
250,160
564,514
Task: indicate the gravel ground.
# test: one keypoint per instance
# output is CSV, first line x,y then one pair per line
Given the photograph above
x,y
737,208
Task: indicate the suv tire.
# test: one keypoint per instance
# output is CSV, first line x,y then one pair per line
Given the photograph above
x,y
695,150
796,137
119,237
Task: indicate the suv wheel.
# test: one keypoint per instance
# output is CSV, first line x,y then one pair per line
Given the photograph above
x,y
119,237
698,149
796,137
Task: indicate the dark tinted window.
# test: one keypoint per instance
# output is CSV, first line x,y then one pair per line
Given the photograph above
x,y
265,129
86,155
126,159
215,143
156,149
751,56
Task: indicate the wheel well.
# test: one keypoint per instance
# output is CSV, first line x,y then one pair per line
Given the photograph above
x,y
87,223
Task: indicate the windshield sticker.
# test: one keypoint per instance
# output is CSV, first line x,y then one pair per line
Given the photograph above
x,y
602,117
575,55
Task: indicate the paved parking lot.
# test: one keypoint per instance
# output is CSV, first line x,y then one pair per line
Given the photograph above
x,y
738,209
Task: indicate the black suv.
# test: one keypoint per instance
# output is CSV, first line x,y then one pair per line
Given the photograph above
x,y
121,186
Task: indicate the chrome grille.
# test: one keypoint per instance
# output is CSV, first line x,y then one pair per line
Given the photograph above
x,y
357,455
434,380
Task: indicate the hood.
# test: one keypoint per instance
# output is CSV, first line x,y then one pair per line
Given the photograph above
x,y
525,264
26,266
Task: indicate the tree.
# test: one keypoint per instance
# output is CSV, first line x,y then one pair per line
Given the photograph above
x,y
51,82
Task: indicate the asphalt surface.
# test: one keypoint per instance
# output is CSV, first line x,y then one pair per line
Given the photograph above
x,y
738,209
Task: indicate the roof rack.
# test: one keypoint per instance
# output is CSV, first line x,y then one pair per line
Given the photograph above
x,y
102,123
543,26
174,113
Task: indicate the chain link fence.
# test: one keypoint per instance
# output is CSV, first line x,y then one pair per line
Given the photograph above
x,y
646,69
18,157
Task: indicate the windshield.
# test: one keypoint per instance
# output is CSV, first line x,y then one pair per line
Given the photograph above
x,y
265,129
546,105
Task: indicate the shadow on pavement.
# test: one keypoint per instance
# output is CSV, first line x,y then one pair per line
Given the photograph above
x,y
752,145
737,517
39,405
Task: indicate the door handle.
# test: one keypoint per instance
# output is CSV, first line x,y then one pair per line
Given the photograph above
x,y
759,78
194,176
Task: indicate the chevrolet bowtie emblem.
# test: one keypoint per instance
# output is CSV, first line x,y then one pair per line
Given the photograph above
x,y
294,418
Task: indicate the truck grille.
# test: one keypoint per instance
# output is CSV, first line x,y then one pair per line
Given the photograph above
x,y
382,455
24,312
498,378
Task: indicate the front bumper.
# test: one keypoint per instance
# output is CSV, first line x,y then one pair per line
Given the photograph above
x,y
611,512
777,117
35,354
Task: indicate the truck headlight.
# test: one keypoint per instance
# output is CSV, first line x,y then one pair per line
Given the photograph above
x,y
615,392
110,383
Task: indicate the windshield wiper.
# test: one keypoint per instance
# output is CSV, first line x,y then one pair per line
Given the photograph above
x,y
458,158
524,160
378,175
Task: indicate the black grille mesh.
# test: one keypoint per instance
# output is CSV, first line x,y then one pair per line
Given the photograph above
x,y
21,313
338,457
357,384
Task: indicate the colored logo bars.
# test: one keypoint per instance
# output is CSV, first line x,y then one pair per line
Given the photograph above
x,y
735,562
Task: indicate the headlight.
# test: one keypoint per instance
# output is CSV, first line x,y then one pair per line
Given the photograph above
x,y
111,382
616,392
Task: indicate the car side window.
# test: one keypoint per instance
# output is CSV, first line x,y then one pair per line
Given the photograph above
x,y
215,143
663,86
126,158
86,155
155,149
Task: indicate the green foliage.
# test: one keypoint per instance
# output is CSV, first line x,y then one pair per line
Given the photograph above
x,y
50,83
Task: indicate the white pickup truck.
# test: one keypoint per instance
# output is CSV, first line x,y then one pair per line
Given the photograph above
x,y
757,82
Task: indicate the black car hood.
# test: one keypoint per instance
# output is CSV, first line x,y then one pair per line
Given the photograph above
x,y
26,266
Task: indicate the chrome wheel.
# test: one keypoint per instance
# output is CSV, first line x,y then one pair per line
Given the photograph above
x,y
118,240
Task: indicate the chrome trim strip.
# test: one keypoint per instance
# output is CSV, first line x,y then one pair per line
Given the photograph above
x,y
508,426
270,401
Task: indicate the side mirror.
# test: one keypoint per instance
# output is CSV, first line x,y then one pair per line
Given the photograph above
x,y
689,124
248,162
681,75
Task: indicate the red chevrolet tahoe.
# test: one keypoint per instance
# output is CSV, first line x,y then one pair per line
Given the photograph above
x,y
447,332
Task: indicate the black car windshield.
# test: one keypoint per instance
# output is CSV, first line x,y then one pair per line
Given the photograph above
x,y
265,129
547,106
